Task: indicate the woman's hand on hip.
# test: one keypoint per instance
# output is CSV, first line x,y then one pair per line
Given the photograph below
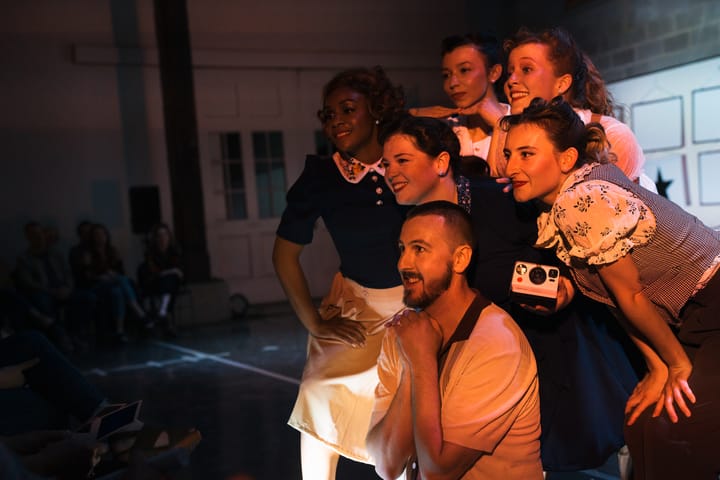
x,y
340,330
676,391
648,391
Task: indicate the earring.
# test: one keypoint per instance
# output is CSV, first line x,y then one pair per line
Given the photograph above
x,y
377,122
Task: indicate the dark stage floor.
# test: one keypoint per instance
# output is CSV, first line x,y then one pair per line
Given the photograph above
x,y
236,382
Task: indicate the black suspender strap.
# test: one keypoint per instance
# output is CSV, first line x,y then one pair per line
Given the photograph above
x,y
462,332
465,327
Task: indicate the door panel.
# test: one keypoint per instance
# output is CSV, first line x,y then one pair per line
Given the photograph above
x,y
241,249
248,100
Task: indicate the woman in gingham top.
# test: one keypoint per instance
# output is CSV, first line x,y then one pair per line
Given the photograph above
x,y
651,262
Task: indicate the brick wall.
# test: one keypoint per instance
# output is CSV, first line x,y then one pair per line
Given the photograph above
x,y
625,38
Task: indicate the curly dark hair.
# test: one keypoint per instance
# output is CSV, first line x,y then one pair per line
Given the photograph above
x,y
151,237
565,129
385,100
588,90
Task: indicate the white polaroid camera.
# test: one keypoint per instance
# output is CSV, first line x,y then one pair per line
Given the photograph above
x,y
534,284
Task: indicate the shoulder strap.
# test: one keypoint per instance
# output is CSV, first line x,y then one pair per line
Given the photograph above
x,y
595,118
465,327
462,332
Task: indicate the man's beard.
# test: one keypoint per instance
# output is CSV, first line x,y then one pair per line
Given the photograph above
x,y
431,291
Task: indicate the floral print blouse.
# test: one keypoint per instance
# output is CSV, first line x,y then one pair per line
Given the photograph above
x,y
594,222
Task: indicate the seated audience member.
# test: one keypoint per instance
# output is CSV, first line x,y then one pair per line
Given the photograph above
x,y
16,312
160,275
105,272
56,454
458,391
43,278
80,306
39,388
79,260
78,255
52,238
40,275
62,455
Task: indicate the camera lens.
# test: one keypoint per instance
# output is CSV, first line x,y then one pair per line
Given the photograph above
x,y
537,275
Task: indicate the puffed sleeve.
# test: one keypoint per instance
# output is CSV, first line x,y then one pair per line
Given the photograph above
x,y
600,222
629,155
466,142
302,210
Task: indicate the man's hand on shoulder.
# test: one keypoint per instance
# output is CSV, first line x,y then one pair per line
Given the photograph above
x,y
417,334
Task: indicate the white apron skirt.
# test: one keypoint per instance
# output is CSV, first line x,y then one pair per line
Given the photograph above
x,y
337,390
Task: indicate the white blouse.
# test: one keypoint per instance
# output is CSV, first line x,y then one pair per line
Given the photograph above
x,y
594,222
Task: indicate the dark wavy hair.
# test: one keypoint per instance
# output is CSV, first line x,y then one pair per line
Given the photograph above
x,y
432,136
151,238
565,129
385,100
484,43
104,256
588,90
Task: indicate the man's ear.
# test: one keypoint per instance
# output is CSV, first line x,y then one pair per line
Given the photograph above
x,y
563,84
568,159
495,72
461,258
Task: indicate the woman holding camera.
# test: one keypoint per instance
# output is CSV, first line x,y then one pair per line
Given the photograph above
x,y
585,376
653,263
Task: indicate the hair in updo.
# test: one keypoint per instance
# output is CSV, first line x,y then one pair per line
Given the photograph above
x,y
433,136
384,99
565,129
430,135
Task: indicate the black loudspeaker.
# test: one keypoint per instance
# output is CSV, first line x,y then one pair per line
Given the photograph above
x,y
144,208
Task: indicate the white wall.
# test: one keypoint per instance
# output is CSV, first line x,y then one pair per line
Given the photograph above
x,y
81,107
664,93
59,132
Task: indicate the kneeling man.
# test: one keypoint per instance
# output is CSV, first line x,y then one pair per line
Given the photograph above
x,y
458,391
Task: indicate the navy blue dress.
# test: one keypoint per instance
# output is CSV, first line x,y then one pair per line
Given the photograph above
x,y
336,394
363,219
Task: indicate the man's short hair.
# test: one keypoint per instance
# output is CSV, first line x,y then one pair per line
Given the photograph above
x,y
457,220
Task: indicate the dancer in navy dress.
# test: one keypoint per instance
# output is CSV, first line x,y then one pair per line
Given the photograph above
x,y
349,193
